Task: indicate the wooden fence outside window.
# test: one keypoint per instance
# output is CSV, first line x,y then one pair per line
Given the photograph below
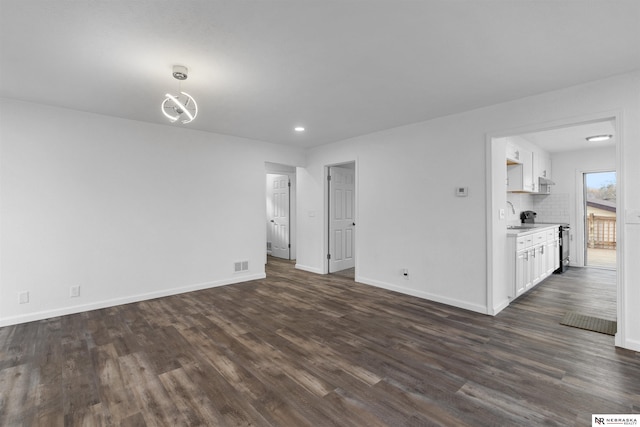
x,y
602,232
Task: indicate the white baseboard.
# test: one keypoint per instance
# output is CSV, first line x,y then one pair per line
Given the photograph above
x,y
425,295
498,308
309,269
46,314
630,345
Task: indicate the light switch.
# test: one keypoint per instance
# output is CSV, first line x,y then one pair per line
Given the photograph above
x,y
501,213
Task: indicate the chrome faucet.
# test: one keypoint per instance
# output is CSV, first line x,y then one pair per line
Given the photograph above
x,y
513,210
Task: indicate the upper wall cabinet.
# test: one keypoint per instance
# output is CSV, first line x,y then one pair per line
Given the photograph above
x,y
527,166
541,169
513,153
520,175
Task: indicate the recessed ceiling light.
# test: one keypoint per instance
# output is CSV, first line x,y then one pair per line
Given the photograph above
x,y
598,138
298,129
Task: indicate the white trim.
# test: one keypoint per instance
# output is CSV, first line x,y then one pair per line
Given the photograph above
x,y
325,213
630,344
488,197
498,308
478,308
309,269
580,228
30,317
621,295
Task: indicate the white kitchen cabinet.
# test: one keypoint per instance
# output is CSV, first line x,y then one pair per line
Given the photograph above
x,y
522,272
551,251
541,168
520,176
523,269
556,254
527,270
513,153
536,257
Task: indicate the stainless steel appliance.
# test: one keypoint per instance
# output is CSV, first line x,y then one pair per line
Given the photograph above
x,y
564,249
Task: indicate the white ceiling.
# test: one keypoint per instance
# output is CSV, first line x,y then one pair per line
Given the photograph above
x,y
573,138
339,68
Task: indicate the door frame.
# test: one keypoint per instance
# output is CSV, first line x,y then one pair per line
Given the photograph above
x,y
581,214
291,171
288,215
496,200
327,198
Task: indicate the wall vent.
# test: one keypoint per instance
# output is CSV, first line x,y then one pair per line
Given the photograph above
x,y
240,266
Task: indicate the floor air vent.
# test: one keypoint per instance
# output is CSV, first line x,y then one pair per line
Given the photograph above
x,y
240,266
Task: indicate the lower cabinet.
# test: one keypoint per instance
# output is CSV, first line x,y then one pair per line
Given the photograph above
x,y
552,256
528,271
523,274
538,264
536,257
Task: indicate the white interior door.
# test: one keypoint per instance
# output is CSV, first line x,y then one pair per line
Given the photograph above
x,y
341,218
278,188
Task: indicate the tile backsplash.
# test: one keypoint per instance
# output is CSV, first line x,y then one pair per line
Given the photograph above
x,y
549,207
552,207
521,202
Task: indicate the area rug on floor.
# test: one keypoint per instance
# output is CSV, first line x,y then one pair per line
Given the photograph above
x,y
589,323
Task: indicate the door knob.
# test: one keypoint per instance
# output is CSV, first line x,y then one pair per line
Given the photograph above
x,y
353,223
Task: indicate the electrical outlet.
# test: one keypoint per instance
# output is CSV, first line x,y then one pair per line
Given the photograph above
x,y
24,297
74,291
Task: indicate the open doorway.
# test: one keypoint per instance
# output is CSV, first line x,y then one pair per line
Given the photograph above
x,y
280,212
600,219
571,155
278,215
341,225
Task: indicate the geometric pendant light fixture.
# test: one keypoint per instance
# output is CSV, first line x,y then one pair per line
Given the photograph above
x,y
182,106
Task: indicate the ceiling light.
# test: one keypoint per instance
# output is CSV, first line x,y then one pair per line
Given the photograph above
x,y
182,106
598,138
298,129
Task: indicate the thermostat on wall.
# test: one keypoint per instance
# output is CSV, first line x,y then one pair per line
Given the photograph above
x,y
462,191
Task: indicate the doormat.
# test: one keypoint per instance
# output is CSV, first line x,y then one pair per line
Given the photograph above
x,y
589,323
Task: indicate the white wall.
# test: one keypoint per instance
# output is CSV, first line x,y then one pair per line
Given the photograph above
x,y
409,217
566,169
406,206
124,209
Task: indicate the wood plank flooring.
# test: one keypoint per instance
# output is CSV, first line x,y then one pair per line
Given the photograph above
x,y
298,349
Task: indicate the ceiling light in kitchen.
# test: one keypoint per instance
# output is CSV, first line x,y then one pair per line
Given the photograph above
x,y
298,129
598,138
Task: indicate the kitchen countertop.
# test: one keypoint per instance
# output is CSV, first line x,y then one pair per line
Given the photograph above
x,y
531,228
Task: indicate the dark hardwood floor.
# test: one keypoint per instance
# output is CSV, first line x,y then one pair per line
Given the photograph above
x,y
298,349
